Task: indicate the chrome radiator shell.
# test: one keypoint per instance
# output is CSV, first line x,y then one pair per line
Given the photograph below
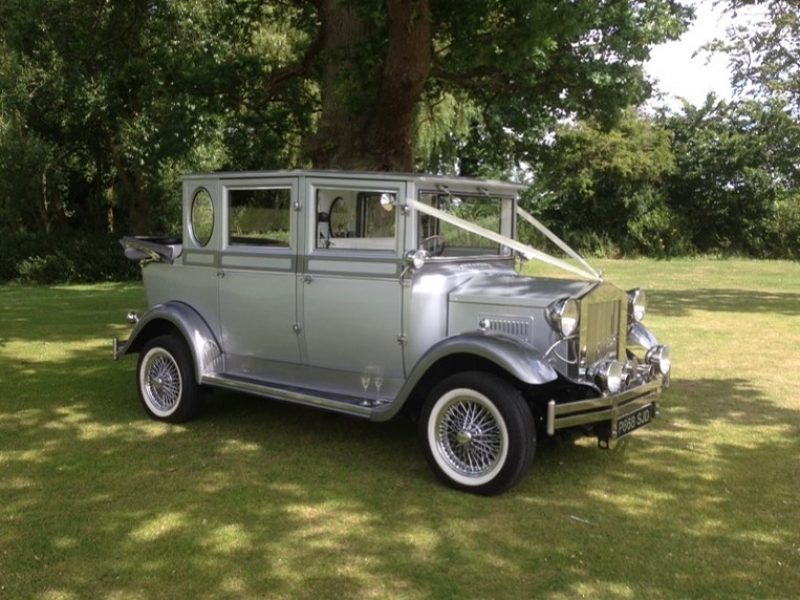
x,y
603,325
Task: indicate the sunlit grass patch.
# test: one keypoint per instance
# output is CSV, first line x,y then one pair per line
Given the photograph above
x,y
258,499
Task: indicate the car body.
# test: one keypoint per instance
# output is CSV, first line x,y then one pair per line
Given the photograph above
x,y
371,293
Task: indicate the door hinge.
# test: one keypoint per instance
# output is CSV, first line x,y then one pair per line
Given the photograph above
x,y
402,340
296,327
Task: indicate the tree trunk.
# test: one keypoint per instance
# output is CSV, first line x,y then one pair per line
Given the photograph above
x,y
371,127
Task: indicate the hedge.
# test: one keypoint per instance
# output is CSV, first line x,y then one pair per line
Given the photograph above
x,y
63,258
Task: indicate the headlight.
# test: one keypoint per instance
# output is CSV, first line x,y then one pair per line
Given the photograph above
x,y
637,304
564,315
609,375
658,356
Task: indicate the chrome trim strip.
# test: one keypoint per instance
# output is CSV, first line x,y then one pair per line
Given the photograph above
x,y
293,396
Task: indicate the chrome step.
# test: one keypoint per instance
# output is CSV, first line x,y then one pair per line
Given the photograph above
x,y
342,403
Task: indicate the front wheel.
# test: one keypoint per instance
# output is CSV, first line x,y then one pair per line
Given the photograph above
x,y
167,386
478,433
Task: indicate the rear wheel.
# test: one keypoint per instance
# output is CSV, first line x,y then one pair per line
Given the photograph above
x,y
478,433
167,386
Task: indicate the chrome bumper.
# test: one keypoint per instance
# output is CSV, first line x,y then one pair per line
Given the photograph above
x,y
610,408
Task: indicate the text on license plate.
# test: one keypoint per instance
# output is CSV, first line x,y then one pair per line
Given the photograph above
x,y
633,421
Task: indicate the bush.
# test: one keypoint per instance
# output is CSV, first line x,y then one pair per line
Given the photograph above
x,y
659,233
783,228
46,259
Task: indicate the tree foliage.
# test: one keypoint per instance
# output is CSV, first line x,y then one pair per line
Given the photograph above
x,y
765,52
602,189
111,100
737,182
718,178
103,105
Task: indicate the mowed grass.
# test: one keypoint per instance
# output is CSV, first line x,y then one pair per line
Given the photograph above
x,y
259,499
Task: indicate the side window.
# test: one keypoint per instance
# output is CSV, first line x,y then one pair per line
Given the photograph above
x,y
202,217
259,217
357,220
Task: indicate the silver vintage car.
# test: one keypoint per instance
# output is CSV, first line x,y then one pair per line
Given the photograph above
x,y
372,293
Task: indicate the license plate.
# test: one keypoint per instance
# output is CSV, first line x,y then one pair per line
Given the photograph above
x,y
635,420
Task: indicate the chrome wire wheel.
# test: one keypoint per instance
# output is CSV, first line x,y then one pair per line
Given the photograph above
x,y
160,382
468,436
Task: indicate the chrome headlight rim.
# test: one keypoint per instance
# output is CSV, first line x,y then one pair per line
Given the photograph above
x,y
609,375
564,316
637,305
659,357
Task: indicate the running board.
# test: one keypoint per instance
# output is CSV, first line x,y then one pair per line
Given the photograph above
x,y
341,403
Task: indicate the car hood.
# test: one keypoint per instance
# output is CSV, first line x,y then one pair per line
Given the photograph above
x,y
517,290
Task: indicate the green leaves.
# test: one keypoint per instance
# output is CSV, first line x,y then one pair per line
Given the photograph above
x,y
765,53
720,178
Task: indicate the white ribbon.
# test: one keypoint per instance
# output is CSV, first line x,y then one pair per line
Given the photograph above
x,y
556,240
524,249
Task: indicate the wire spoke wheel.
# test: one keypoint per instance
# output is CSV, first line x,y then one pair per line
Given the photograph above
x,y
167,386
478,432
163,383
469,437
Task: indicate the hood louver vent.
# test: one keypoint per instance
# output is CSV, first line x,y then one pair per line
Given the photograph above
x,y
518,327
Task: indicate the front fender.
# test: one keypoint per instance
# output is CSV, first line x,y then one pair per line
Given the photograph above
x,y
641,337
198,335
510,354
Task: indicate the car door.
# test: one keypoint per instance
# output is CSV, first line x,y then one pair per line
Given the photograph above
x,y
258,276
351,295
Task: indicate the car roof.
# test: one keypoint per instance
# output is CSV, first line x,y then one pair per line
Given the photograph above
x,y
420,179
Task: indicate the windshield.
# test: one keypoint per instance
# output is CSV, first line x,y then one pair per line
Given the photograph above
x,y
445,239
480,225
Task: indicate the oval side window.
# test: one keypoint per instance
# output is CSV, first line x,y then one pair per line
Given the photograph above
x,y
202,221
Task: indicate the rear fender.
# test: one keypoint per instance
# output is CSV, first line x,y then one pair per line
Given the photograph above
x,y
170,316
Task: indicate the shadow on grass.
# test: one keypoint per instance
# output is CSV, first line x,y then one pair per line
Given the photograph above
x,y
678,303
263,499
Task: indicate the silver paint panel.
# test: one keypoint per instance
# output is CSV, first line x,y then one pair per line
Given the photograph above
x,y
195,286
255,261
351,324
353,266
258,312
199,258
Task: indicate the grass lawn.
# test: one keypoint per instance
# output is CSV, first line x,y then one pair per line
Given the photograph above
x,y
259,499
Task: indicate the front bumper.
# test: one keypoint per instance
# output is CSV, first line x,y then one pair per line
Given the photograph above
x,y
605,409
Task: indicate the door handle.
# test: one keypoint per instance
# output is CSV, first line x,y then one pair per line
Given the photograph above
x,y
307,279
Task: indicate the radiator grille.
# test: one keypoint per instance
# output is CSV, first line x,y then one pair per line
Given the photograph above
x,y
600,329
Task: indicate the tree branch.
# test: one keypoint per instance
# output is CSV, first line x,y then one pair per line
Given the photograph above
x,y
299,69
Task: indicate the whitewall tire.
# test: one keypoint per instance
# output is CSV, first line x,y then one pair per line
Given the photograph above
x,y
165,377
478,433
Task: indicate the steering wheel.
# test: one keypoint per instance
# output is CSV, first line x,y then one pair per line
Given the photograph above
x,y
433,244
